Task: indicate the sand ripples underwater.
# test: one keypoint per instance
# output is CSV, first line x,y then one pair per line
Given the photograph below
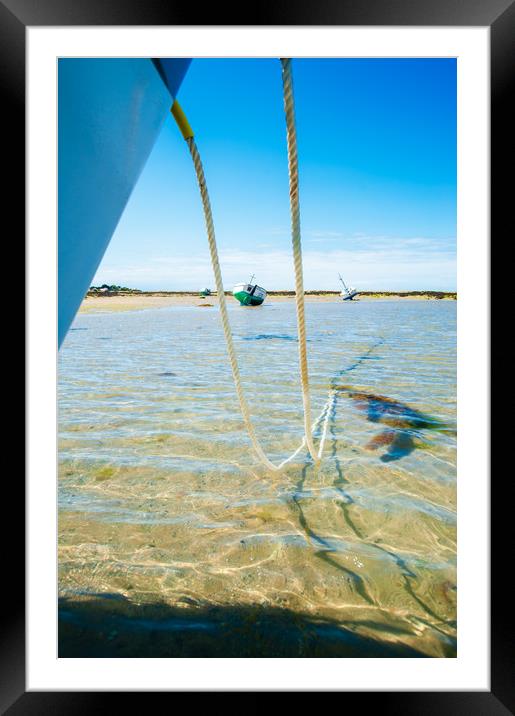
x,y
170,532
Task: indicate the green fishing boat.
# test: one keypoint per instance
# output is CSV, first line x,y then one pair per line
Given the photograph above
x,y
249,294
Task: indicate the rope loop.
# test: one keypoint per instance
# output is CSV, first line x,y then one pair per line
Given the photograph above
x,y
291,136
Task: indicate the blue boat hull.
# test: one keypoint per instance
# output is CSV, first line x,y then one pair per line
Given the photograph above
x,y
110,112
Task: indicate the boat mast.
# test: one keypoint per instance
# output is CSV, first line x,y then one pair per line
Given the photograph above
x,y
344,286
251,279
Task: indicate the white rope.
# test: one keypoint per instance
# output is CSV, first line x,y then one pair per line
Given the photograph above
x,y
293,169
299,290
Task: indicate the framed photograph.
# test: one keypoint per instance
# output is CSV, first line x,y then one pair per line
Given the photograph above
x,y
263,442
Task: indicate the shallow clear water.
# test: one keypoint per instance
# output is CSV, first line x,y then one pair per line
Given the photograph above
x,y
162,501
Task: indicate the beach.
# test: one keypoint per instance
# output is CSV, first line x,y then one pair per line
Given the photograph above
x,y
103,303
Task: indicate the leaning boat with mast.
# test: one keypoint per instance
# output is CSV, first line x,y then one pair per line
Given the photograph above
x,y
348,293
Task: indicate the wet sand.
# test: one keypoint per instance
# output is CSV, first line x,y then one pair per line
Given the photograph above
x,y
139,302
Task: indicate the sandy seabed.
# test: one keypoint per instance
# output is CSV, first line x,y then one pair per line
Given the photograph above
x,y
116,303
175,542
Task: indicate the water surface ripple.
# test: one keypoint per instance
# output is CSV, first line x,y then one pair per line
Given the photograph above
x,y
161,500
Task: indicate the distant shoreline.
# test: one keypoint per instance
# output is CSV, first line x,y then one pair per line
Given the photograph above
x,y
373,294
115,301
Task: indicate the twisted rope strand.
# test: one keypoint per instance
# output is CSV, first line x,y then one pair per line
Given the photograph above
x,y
293,170
208,216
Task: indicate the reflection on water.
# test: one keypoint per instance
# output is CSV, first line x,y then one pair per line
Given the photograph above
x,y
166,517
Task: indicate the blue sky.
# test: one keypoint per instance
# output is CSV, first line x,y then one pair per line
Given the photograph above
x,y
377,161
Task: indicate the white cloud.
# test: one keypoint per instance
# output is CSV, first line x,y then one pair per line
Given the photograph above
x,y
371,263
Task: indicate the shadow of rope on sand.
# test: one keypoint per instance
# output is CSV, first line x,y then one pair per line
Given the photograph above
x,y
404,419
325,551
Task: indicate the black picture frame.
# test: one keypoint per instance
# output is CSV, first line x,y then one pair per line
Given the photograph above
x,y
499,15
